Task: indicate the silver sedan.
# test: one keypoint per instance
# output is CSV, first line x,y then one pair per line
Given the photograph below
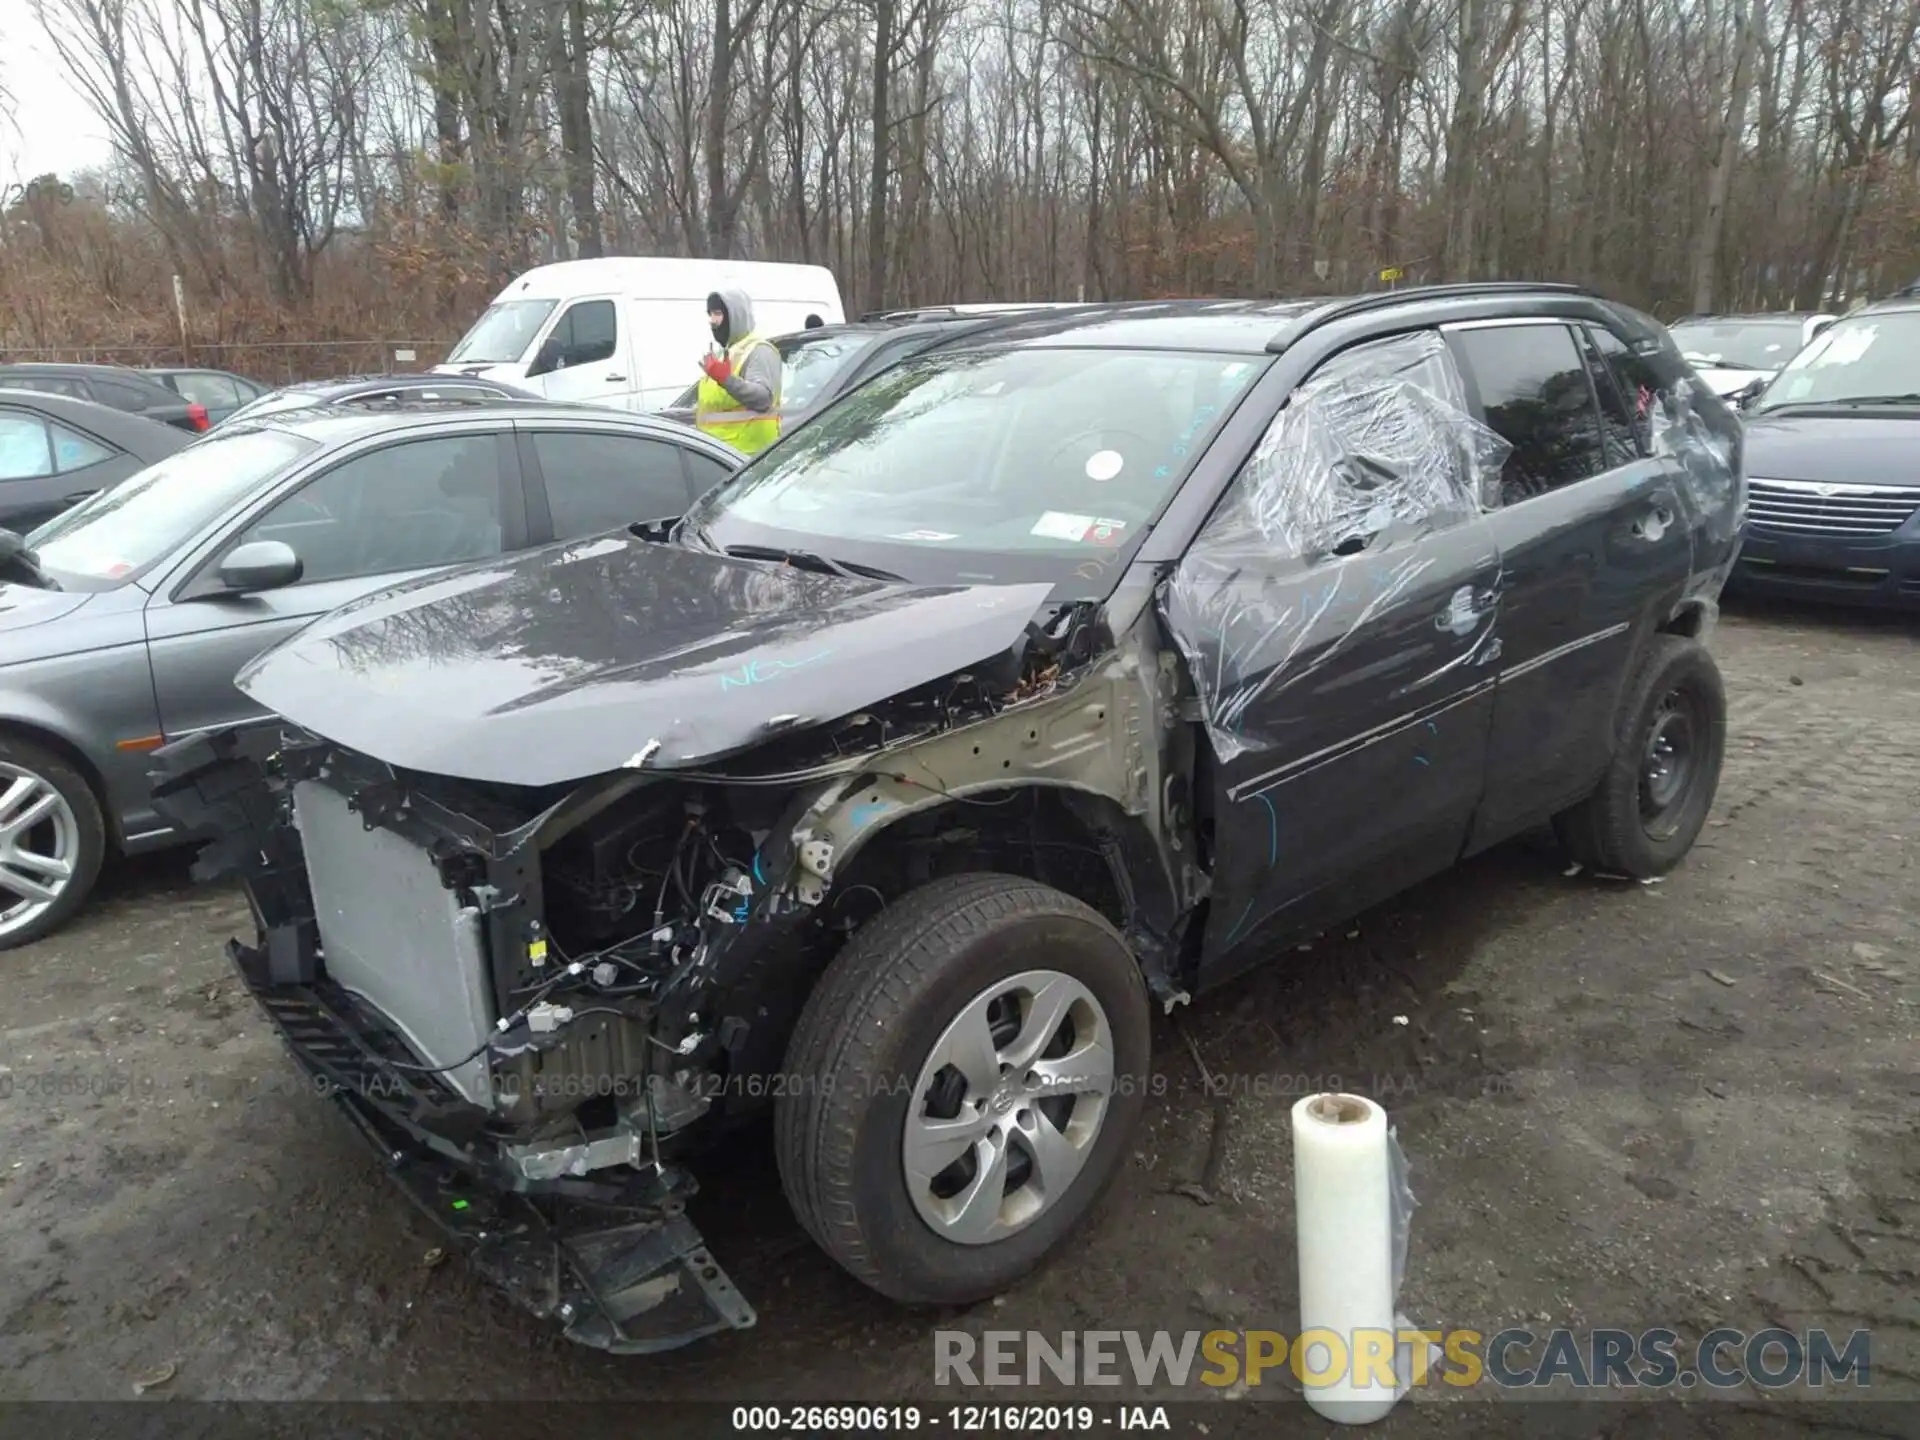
x,y
124,620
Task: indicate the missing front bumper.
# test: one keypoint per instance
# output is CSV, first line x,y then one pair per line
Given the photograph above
x,y
611,1258
618,1266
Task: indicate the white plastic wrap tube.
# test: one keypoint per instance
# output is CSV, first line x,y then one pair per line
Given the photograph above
x,y
1343,1203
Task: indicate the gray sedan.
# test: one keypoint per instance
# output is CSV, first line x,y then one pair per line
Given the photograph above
x,y
127,628
56,451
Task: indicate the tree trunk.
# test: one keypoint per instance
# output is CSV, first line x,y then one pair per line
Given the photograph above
x,y
1725,154
876,286
576,131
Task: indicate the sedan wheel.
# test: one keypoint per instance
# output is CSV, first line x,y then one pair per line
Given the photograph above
x,y
51,842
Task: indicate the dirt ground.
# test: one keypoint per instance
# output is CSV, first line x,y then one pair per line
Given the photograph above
x,y
1686,1104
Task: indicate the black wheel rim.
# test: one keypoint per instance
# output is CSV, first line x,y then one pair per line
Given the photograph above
x,y
1670,762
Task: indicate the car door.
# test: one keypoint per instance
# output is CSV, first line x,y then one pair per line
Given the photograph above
x,y
394,509
584,355
584,481
1337,615
1595,548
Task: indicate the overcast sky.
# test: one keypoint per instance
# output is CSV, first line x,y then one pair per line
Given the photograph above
x,y
54,129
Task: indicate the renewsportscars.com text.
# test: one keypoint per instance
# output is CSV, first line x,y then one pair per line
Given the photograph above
x,y
1511,1359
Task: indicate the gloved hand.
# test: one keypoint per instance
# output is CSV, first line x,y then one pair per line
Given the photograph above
x,y
719,369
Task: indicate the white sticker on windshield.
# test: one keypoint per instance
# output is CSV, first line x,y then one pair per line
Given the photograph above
x,y
924,535
1057,525
1847,346
1104,464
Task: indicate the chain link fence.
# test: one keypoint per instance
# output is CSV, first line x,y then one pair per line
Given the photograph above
x,y
270,363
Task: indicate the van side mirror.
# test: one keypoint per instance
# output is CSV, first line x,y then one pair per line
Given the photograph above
x,y
1748,393
550,356
259,565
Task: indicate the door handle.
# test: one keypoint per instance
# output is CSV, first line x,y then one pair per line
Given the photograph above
x,y
1652,525
1464,608
77,496
620,378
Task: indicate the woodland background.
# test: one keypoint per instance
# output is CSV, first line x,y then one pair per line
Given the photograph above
x,y
329,171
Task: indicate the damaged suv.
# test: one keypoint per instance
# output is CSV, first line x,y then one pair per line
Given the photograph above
x,y
1036,682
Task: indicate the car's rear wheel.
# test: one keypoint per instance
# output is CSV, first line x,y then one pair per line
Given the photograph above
x,y
52,840
1649,808
963,1085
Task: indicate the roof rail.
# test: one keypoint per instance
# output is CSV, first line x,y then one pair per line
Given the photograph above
x,y
1384,299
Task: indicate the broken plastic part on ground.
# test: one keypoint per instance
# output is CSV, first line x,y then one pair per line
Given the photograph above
x,y
1377,449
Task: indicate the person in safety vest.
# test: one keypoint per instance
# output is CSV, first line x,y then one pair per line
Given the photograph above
x,y
739,400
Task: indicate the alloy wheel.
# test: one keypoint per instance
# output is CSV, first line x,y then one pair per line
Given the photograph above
x,y
39,846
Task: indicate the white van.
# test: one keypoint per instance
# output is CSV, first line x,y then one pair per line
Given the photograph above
x,y
628,330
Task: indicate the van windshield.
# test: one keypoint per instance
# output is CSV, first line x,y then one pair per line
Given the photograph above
x,y
502,334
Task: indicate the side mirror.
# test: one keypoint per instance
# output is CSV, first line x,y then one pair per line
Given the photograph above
x,y
259,565
549,356
1748,393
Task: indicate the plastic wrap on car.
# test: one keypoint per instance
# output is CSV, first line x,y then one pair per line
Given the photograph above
x,y
1705,454
1378,447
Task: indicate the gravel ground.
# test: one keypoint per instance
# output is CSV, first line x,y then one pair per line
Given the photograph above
x,y
1687,1104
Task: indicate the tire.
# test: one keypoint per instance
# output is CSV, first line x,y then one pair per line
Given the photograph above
x,y
1619,828
862,1052
72,831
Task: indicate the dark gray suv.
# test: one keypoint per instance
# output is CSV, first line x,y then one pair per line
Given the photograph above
x,y
1038,681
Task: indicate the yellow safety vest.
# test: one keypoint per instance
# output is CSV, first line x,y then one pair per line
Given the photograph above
x,y
720,415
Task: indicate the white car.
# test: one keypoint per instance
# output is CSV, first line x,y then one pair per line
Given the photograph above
x,y
1732,352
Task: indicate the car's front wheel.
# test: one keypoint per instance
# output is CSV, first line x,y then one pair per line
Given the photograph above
x,y
964,1083
52,840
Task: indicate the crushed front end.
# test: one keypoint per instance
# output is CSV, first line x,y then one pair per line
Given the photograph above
x,y
523,1099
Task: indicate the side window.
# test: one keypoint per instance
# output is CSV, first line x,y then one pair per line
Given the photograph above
x,y
587,332
24,451
1638,379
606,482
50,385
212,390
123,396
705,472
407,507
1535,393
73,451
1375,447
1620,438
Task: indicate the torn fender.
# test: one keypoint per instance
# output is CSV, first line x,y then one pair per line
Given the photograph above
x,y
569,662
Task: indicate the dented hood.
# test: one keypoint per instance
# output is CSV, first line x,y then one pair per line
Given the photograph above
x,y
576,660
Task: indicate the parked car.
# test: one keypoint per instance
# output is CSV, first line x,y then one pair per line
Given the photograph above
x,y
625,330
114,386
1735,354
56,452
219,392
1042,680
376,392
1834,498
148,599
827,361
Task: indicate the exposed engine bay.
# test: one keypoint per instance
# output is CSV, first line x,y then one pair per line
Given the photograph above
x,y
559,992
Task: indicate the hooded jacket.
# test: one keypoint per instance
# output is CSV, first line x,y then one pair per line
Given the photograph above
x,y
756,384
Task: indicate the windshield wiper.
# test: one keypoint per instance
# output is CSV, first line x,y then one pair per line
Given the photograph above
x,y
1910,398
808,560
